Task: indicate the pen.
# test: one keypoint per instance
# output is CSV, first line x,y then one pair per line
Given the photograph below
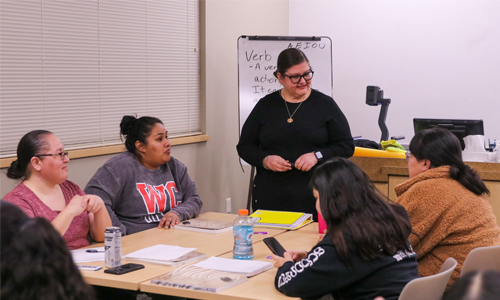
x,y
260,232
94,251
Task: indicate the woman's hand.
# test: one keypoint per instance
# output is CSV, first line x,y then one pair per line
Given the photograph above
x,y
297,255
281,260
306,161
277,164
169,219
94,203
76,206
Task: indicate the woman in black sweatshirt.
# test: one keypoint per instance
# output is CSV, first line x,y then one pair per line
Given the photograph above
x,y
365,252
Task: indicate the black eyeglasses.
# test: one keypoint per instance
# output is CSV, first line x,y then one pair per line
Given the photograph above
x,y
408,154
297,78
60,155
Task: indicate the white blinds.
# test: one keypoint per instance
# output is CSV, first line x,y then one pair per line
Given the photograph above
x,y
76,67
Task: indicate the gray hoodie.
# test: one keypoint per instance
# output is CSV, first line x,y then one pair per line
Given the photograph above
x,y
137,198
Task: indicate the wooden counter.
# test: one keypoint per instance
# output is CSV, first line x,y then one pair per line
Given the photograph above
x,y
386,173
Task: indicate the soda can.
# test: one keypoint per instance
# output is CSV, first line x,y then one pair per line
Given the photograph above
x,y
112,247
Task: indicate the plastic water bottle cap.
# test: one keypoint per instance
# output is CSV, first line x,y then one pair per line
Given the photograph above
x,y
243,212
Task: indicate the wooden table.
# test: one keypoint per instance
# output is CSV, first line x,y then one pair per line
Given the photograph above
x,y
210,244
260,286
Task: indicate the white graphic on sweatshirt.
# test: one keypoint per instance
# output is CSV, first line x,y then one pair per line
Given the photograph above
x,y
403,253
300,266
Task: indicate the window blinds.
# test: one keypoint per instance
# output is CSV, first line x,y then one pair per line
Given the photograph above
x,y
77,67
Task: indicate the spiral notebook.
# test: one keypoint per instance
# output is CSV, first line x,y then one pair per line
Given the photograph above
x,y
197,278
205,225
280,219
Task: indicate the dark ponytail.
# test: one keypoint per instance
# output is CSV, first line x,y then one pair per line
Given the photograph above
x,y
442,148
289,58
137,129
31,143
469,178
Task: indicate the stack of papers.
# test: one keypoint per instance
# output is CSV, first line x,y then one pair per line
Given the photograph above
x,y
81,255
280,219
165,255
245,267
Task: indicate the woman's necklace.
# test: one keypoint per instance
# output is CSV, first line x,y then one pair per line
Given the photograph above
x,y
290,119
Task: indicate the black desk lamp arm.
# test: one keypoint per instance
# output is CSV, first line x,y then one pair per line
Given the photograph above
x,y
381,119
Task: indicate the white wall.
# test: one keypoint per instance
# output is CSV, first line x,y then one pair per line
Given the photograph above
x,y
434,59
214,165
225,22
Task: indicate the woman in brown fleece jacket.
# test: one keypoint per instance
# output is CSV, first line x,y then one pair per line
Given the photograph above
x,y
445,200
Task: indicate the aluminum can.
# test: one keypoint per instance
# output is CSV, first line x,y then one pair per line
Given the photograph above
x,y
112,247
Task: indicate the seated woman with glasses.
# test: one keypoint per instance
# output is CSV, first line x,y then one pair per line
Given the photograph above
x,y
445,199
45,191
288,133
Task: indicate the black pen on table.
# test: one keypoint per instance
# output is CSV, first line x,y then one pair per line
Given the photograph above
x,y
94,251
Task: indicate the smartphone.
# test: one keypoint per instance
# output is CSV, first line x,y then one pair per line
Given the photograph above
x,y
124,269
274,246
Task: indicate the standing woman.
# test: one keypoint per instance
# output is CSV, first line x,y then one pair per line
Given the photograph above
x,y
288,133
365,252
145,187
445,200
46,192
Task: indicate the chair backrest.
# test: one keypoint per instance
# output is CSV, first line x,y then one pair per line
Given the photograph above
x,y
430,287
482,258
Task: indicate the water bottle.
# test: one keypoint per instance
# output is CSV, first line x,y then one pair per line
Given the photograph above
x,y
243,234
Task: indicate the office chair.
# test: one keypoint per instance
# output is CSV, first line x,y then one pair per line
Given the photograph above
x,y
430,287
482,258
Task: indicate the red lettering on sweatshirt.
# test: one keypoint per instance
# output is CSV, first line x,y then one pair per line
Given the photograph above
x,y
163,198
171,189
156,197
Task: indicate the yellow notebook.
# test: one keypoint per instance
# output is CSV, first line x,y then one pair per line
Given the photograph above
x,y
280,219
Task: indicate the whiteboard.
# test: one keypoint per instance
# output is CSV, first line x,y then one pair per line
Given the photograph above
x,y
257,58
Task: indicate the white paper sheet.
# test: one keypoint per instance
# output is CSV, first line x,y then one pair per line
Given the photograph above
x,y
81,255
160,252
248,267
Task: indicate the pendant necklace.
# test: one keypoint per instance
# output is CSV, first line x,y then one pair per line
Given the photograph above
x,y
290,119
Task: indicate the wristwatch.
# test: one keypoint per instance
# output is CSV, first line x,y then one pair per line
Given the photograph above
x,y
318,155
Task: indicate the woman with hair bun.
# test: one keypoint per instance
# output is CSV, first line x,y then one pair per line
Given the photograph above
x,y
45,191
445,200
145,187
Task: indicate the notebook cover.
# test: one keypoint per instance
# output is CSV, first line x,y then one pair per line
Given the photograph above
x,y
196,278
276,217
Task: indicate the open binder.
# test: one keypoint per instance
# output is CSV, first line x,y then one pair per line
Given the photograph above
x,y
280,219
